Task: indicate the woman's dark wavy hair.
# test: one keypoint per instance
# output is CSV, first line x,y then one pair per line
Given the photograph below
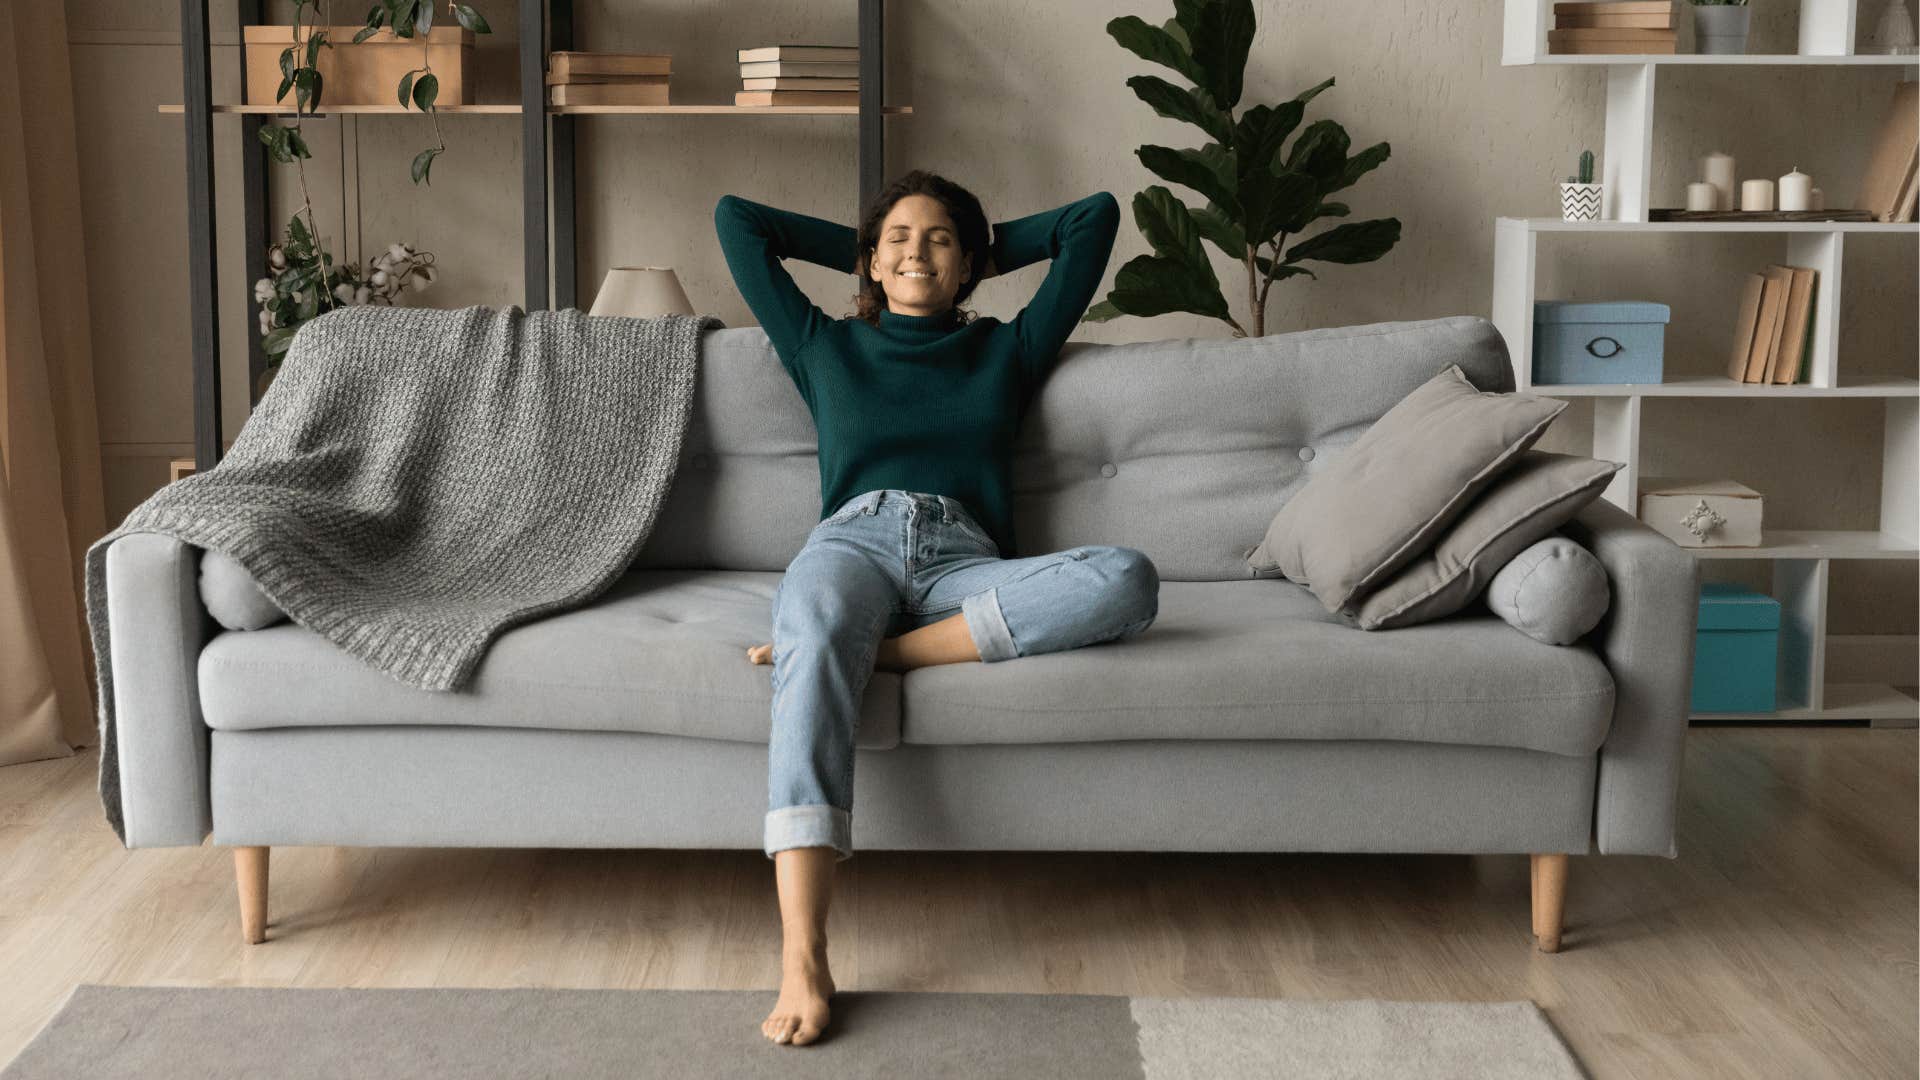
x,y
967,216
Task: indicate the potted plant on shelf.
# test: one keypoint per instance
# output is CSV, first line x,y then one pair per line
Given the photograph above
x,y
1259,190
1579,195
1720,26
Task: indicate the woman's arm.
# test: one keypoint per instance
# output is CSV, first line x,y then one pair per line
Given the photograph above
x,y
755,237
1078,237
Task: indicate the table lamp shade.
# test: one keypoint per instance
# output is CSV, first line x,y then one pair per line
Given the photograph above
x,y
645,292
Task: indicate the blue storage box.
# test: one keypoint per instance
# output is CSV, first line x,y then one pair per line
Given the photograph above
x,y
1617,341
1735,647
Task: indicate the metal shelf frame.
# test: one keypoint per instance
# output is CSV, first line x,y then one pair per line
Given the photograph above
x,y
547,143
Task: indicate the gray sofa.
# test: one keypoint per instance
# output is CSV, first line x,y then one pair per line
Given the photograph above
x,y
1245,719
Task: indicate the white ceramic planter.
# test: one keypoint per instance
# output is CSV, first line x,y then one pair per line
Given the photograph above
x,y
1580,202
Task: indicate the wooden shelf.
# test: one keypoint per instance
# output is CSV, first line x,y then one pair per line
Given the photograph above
x,y
1877,703
514,110
1721,386
1554,224
1816,544
1708,60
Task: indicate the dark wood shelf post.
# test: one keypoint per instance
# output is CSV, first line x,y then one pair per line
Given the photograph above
x,y
873,155
203,302
533,146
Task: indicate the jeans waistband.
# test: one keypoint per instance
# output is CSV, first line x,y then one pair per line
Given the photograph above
x,y
941,505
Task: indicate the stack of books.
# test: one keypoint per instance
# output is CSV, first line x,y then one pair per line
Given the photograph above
x,y
1889,189
799,75
1624,26
604,78
1773,336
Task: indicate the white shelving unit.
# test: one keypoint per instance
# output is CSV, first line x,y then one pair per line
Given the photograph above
x,y
1800,557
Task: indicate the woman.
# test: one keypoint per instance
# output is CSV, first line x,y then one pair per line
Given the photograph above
x,y
916,404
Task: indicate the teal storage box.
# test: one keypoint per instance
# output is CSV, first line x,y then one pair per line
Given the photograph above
x,y
1735,647
1617,341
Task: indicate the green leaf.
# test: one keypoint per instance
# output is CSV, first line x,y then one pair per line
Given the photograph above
x,y
1276,204
296,145
1313,91
1221,34
297,230
1194,169
1168,226
423,19
286,83
422,162
406,89
404,12
1361,164
1154,44
1354,242
1152,285
314,98
1332,209
1260,131
277,340
1284,270
314,41
471,19
1176,103
286,62
1320,152
366,32
309,306
303,81
1225,232
1101,312
425,89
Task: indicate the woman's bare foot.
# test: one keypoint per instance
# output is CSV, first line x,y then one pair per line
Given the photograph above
x,y
800,1015
761,654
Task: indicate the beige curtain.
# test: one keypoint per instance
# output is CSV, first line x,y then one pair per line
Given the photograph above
x,y
50,498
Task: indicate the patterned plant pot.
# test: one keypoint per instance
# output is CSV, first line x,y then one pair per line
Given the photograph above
x,y
1721,29
1580,202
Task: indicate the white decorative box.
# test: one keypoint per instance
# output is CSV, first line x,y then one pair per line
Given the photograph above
x,y
1701,513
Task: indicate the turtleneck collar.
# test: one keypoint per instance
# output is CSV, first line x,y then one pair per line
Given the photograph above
x,y
892,320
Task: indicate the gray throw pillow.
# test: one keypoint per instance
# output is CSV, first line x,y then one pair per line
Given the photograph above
x,y
1524,503
1554,591
230,595
1384,499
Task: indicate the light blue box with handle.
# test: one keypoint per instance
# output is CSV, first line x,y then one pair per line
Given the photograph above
x,y
1736,647
1610,341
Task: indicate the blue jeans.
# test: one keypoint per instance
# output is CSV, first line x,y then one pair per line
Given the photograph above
x,y
889,561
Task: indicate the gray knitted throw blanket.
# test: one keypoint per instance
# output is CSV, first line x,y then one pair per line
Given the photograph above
x,y
414,482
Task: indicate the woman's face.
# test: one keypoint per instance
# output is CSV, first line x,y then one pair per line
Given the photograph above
x,y
918,262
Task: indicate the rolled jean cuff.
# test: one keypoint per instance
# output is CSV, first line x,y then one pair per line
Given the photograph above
x,y
991,638
811,825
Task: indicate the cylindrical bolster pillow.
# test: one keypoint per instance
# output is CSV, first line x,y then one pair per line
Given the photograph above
x,y
232,598
1554,591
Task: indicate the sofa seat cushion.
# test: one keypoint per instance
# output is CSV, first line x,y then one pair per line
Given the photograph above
x,y
1261,659
660,652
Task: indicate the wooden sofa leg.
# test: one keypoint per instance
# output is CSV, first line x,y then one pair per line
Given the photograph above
x,y
250,871
1549,899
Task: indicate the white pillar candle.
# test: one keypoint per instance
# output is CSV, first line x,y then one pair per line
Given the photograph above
x,y
1756,195
1817,200
1702,196
1717,169
1796,191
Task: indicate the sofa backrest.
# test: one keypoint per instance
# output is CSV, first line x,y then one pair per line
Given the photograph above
x,y
1183,449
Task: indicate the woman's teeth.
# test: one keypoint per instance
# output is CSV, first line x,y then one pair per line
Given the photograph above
x,y
913,273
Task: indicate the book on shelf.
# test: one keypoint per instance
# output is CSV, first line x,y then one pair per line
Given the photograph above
x,y
801,53
1610,20
1614,7
563,65
1606,40
1766,332
1904,205
799,83
1743,326
1891,159
824,69
796,97
1789,357
620,93
577,79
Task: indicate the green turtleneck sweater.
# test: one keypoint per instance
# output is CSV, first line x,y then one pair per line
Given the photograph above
x,y
913,403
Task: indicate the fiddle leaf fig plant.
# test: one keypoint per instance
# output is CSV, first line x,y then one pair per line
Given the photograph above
x,y
1260,190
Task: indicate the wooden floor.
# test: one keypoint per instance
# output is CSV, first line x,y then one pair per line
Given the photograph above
x,y
1781,943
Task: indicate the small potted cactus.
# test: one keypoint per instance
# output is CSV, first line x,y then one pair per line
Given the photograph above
x,y
1579,195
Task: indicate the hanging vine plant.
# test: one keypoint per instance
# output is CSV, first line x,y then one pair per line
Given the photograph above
x,y
306,279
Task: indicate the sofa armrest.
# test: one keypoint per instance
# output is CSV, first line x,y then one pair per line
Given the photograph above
x,y
156,627
1646,640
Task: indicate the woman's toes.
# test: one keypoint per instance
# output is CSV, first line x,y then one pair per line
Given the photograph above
x,y
806,1035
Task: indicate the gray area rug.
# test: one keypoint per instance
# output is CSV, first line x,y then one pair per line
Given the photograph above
x,y
158,1032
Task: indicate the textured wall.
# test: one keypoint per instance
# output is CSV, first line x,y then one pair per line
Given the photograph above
x,y
1025,103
